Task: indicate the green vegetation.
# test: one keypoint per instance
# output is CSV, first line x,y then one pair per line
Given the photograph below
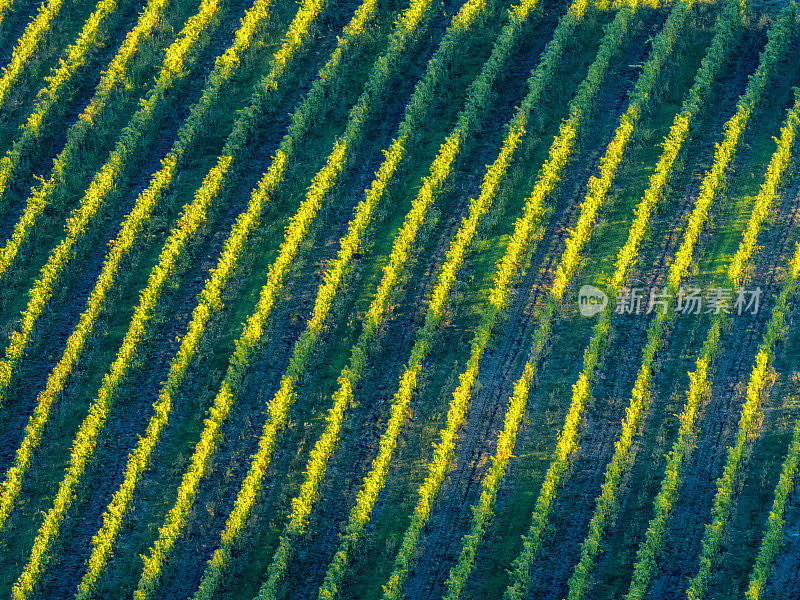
x,y
36,30
409,24
662,49
178,57
289,299
416,110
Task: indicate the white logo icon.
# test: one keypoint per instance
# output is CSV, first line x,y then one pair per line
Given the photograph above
x,y
591,300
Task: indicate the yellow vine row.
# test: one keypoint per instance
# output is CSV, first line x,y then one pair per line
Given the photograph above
x,y
132,225
79,131
27,44
773,536
621,459
648,549
661,50
374,480
113,516
194,215
721,508
674,141
175,245
379,309
608,500
412,23
722,503
5,5
560,151
567,439
55,93
325,445
416,109
58,88
179,56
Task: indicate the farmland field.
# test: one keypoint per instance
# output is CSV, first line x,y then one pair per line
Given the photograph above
x,y
382,299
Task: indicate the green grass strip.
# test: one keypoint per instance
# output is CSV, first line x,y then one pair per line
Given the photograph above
x,y
647,553
325,445
60,88
5,6
175,247
226,66
560,151
194,215
567,439
714,531
566,443
411,24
